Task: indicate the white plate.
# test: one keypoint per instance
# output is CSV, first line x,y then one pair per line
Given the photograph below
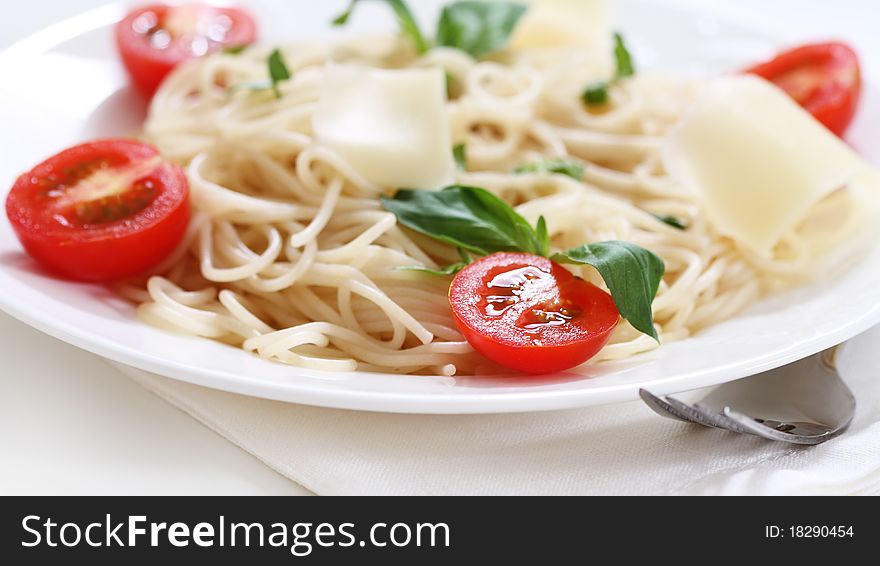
x,y
64,85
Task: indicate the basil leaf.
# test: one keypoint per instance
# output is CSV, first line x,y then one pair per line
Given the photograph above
x,y
478,28
468,217
442,272
452,89
278,71
623,58
543,237
596,94
408,24
342,18
673,221
557,165
631,273
459,154
235,49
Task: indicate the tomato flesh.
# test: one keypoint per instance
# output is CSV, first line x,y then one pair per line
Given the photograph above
x,y
529,313
824,78
100,211
152,40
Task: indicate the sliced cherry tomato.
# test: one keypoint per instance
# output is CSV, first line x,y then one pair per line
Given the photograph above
x,y
153,39
529,313
824,78
101,210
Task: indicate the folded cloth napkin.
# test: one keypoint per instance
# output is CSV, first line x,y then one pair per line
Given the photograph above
x,y
613,449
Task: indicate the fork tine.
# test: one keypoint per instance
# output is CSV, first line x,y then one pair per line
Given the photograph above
x,y
750,426
664,409
696,413
670,407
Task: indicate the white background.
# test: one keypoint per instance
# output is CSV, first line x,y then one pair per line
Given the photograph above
x,y
71,424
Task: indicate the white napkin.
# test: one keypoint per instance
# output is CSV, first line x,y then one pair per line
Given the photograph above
x,y
615,449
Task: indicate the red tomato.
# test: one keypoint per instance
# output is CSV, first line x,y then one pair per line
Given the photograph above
x,y
153,39
101,210
824,78
529,313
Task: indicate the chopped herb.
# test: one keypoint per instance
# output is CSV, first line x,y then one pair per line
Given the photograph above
x,y
342,18
278,72
451,269
556,165
459,153
596,94
234,49
622,58
450,85
673,221
543,236
408,24
478,28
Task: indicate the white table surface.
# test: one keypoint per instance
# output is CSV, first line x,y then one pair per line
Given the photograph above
x,y
70,424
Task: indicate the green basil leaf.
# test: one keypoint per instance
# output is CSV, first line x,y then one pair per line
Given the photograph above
x,y
459,154
596,94
543,237
442,272
631,273
557,165
278,71
408,24
673,221
342,18
451,269
235,49
623,58
478,28
468,217
452,89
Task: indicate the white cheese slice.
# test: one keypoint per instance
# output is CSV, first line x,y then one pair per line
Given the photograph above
x,y
391,126
563,23
759,161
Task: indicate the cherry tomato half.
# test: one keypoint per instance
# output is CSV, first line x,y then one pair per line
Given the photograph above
x,y
529,313
101,210
153,39
824,78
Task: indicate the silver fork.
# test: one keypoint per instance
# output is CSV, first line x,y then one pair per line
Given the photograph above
x,y
805,402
